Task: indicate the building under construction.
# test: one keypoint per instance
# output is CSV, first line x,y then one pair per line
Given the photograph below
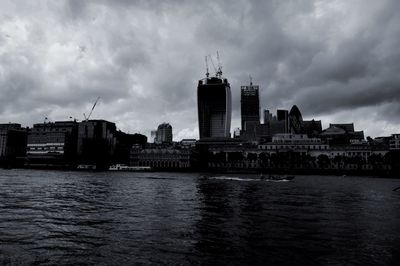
x,y
214,106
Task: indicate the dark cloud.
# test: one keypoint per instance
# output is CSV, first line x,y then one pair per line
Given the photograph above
x,y
337,60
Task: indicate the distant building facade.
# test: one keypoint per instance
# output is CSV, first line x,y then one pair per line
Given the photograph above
x,y
161,158
394,142
214,107
293,142
163,134
52,143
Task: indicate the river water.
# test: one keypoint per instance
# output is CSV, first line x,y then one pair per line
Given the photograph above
x,y
85,218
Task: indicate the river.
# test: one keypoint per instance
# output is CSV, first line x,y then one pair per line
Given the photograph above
x,y
121,218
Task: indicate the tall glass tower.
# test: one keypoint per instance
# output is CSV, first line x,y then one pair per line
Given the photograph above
x,y
214,102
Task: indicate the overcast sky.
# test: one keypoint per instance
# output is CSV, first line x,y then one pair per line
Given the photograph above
x,y
338,61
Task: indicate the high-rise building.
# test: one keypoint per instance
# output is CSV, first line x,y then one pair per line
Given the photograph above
x,y
268,117
295,120
164,133
214,107
250,106
283,115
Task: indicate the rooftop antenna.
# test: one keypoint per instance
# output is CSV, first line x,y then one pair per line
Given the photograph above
x,y
251,80
207,74
219,72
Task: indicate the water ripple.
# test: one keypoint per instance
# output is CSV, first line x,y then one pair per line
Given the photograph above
x,y
77,218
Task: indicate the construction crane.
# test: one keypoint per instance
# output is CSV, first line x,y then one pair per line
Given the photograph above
x,y
212,62
91,111
217,69
219,72
207,74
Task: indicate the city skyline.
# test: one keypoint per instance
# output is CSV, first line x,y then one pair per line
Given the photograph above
x,y
338,62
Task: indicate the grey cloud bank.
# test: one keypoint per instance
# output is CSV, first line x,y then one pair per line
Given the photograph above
x,y
337,60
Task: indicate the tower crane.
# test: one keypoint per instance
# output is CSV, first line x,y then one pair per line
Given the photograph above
x,y
207,74
219,72
212,62
218,69
91,111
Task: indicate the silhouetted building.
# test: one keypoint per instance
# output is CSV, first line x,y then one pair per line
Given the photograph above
x,y
12,143
349,127
96,143
164,133
283,115
274,125
250,105
295,120
214,107
268,117
340,134
52,144
124,143
311,127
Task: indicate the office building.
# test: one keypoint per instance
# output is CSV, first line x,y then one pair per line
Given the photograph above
x,y
163,134
52,143
214,107
268,116
295,121
96,143
250,112
250,106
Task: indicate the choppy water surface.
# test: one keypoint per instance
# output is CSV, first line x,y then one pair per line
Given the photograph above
x,y
55,217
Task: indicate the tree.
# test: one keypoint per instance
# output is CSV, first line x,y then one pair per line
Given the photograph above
x,y
323,161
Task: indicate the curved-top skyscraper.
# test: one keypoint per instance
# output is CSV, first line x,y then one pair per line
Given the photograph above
x,y
214,102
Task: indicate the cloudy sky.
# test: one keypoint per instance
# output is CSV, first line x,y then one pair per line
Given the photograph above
x,y
339,61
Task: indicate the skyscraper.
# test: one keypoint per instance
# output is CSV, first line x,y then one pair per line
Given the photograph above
x,y
250,106
164,133
214,107
283,115
296,120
